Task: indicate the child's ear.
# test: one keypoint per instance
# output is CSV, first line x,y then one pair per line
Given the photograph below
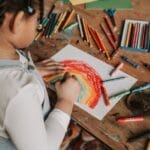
x,y
18,22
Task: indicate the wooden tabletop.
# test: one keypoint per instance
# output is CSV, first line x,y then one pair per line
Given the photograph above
x,y
107,130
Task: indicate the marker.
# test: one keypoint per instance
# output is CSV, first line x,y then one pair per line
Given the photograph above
x,y
119,66
132,63
130,119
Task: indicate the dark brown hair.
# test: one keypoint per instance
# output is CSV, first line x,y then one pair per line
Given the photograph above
x,y
28,6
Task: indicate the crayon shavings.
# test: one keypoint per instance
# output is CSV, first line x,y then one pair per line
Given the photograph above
x,y
89,79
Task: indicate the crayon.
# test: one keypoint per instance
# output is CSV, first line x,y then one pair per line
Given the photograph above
x,y
119,66
110,28
102,45
128,34
130,119
95,38
130,62
108,36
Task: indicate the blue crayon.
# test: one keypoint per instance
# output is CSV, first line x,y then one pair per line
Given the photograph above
x,y
132,63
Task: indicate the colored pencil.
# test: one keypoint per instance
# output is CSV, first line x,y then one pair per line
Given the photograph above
x,y
57,24
108,35
102,45
62,17
119,66
50,11
84,30
128,34
114,79
80,26
68,18
95,38
110,28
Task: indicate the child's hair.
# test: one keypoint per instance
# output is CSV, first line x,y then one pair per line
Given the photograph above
x,y
28,6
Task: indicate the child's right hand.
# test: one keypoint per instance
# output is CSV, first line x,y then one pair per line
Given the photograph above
x,y
68,90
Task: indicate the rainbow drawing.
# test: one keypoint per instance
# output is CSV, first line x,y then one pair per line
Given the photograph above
x,y
88,78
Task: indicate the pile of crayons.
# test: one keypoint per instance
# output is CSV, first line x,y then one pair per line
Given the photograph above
x,y
136,35
54,22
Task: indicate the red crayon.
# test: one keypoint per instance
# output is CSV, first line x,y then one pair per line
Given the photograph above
x,y
130,119
105,95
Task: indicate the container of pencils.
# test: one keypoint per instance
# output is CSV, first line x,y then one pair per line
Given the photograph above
x,y
136,35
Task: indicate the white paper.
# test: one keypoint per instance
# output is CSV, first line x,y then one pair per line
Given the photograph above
x,y
70,52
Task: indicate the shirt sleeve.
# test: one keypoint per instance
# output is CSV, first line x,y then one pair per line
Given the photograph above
x,y
26,127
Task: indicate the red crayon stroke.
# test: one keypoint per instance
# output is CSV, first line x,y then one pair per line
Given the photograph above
x,y
89,79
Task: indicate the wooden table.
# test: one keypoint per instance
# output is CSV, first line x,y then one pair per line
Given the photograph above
x,y
107,130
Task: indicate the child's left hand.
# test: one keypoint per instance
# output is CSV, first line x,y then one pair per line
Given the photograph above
x,y
49,67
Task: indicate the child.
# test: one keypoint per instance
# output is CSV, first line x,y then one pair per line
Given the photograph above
x,y
23,98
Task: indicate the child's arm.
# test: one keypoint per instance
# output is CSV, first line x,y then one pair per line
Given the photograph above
x,y
24,121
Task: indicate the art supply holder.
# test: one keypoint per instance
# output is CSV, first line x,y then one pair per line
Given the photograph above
x,y
137,46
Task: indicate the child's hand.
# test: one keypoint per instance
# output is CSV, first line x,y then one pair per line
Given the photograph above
x,y
49,67
68,90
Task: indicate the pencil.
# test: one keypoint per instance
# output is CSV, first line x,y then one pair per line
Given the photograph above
x,y
80,26
68,19
128,34
143,36
62,17
95,38
108,36
110,28
102,45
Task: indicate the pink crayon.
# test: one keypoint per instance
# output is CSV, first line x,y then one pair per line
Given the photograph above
x,y
130,119
119,66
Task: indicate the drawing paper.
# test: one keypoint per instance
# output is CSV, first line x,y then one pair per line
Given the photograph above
x,y
90,71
